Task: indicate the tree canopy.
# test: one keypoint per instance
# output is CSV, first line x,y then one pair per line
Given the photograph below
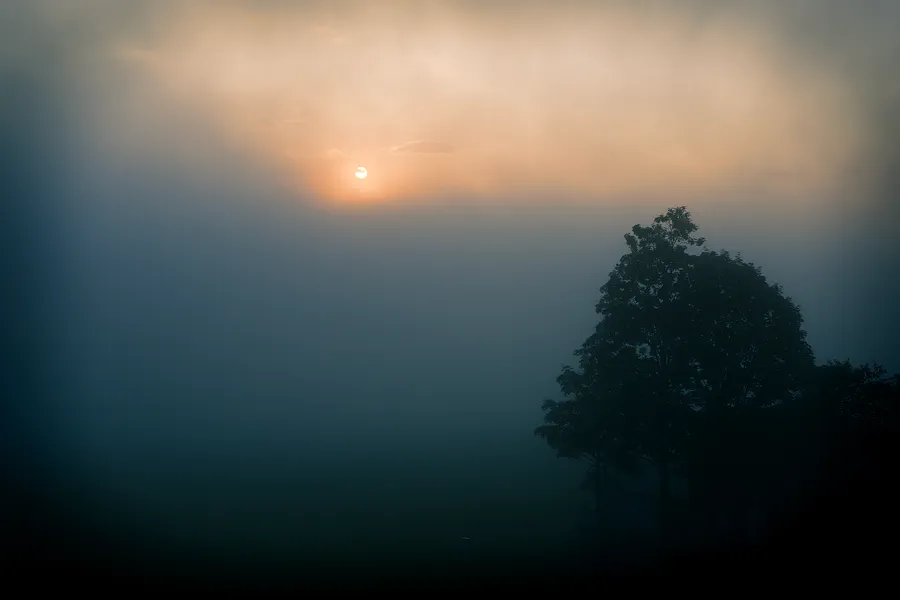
x,y
686,335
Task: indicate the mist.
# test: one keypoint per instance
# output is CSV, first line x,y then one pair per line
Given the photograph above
x,y
235,357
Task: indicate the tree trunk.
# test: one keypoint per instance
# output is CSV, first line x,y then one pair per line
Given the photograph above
x,y
598,496
600,493
701,509
665,505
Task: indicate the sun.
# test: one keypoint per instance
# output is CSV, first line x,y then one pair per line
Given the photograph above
x,y
361,172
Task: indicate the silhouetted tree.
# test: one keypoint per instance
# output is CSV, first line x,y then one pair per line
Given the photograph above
x,y
590,424
690,344
835,485
750,355
858,395
849,401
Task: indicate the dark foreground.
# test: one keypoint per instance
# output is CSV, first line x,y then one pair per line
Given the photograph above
x,y
845,525
840,529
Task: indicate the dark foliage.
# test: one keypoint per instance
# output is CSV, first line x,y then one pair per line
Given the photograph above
x,y
700,367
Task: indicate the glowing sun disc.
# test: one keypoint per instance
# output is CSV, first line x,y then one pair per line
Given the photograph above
x,y
361,173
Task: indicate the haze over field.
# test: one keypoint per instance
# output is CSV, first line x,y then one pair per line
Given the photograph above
x,y
224,301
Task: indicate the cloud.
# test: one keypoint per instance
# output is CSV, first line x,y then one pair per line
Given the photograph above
x,y
570,99
423,147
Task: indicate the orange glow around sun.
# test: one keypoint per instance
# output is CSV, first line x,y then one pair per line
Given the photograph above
x,y
445,99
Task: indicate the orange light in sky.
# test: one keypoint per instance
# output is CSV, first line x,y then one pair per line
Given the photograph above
x,y
439,100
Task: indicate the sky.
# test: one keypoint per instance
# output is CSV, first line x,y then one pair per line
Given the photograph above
x,y
207,270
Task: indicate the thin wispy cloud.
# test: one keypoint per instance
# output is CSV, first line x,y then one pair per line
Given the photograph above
x,y
424,147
